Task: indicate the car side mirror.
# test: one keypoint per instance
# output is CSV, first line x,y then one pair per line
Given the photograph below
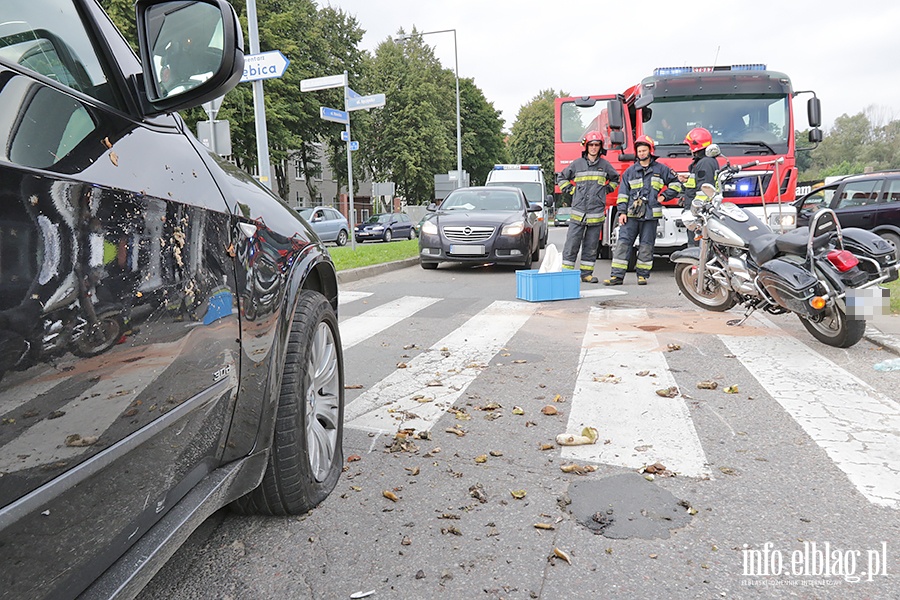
x,y
431,207
548,200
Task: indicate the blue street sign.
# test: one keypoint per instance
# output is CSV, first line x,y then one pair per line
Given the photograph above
x,y
354,145
373,101
266,65
333,114
345,136
352,94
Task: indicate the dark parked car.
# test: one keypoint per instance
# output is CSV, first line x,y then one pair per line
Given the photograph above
x,y
385,227
870,201
168,334
481,224
328,223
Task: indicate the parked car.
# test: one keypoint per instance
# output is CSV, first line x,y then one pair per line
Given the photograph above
x,y
418,226
385,227
529,179
562,216
481,224
163,317
328,223
870,201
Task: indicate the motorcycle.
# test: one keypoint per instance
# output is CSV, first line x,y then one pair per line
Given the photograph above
x,y
826,275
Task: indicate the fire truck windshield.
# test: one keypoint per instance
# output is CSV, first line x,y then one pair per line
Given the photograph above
x,y
575,121
762,123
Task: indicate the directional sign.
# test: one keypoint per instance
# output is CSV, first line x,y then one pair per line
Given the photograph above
x,y
345,137
373,101
354,145
266,65
333,114
322,83
352,94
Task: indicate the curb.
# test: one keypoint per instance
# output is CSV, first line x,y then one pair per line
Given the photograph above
x,y
373,270
887,341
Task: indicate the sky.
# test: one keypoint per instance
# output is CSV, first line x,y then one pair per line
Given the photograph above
x,y
847,52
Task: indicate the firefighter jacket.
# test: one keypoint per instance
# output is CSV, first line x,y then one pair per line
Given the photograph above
x,y
702,170
589,182
641,187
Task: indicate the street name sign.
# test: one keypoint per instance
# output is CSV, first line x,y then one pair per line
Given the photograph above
x,y
335,115
365,102
266,65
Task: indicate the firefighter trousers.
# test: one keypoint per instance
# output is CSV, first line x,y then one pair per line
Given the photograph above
x,y
645,231
585,237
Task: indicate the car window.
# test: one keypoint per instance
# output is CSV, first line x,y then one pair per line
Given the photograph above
x,y
817,199
404,218
859,193
484,200
893,191
48,37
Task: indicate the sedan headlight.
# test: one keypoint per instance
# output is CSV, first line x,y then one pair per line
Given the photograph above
x,y
513,228
429,227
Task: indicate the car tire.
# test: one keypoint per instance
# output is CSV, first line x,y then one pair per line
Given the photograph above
x,y
359,240
306,457
108,331
387,235
894,239
412,233
428,266
342,238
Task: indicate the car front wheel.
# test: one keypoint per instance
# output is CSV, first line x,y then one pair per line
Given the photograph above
x,y
387,235
305,458
342,238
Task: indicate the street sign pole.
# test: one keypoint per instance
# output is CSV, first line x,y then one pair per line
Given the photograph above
x,y
259,104
352,218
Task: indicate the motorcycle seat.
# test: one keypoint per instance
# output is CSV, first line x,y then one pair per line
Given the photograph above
x,y
769,245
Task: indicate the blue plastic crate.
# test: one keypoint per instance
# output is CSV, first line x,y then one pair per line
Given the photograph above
x,y
539,287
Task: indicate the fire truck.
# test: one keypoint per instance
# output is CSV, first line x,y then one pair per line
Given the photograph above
x,y
747,108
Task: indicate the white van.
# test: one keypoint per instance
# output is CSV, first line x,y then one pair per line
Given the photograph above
x,y
530,179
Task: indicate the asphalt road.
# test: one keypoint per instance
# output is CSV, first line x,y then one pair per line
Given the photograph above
x,y
756,489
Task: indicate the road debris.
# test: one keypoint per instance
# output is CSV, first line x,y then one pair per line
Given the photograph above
x,y
588,435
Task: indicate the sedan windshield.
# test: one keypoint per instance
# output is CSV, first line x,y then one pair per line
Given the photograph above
x,y
483,200
378,219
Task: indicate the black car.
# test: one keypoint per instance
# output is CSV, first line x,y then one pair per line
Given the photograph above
x,y
481,225
385,227
870,201
168,334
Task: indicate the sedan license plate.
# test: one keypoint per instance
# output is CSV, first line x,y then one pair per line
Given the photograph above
x,y
469,250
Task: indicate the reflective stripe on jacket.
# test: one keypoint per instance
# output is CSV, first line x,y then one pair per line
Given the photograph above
x,y
647,183
592,181
702,170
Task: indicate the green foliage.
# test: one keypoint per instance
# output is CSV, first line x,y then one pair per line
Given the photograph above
x,y
532,138
855,144
372,254
121,12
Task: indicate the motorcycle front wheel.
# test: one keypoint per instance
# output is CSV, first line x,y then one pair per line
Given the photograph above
x,y
835,329
97,340
714,297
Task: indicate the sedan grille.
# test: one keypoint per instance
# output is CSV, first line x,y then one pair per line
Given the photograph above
x,y
468,234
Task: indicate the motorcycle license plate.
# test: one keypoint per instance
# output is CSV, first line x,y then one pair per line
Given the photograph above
x,y
868,302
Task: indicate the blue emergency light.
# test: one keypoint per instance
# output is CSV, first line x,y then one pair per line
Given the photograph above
x,y
517,167
669,71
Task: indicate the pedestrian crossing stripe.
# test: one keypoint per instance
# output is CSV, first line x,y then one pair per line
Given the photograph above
x,y
441,373
856,426
637,427
357,329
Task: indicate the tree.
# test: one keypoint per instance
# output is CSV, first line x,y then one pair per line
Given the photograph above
x,y
532,138
122,14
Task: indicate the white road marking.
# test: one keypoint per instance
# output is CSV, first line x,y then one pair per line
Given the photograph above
x,y
858,427
601,292
452,363
348,297
641,426
357,329
16,395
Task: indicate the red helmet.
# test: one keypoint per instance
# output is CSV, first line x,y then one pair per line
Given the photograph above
x,y
645,140
698,138
593,136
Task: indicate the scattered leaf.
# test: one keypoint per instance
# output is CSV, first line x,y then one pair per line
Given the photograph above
x,y
669,392
401,365
390,495
558,398
353,386
728,470
413,470
480,459
434,383
547,526
405,541
495,453
707,385
609,378
673,347
354,458
489,406
518,410
546,447
649,476
451,516
114,158
588,435
477,492
550,410
76,441
451,530
356,488
107,143
731,389
455,430
562,555
519,361
642,373
578,469
518,494
654,556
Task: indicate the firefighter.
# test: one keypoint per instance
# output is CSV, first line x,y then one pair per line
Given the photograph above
x,y
587,180
638,209
702,170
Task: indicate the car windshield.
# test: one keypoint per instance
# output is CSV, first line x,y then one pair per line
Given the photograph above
x,y
565,210
502,200
534,192
378,219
